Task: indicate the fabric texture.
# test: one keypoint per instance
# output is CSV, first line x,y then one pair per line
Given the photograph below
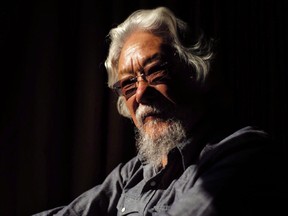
x,y
234,176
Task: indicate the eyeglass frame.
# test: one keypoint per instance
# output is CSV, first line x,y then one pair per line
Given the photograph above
x,y
163,68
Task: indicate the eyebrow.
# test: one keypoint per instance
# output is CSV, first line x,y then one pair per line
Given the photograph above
x,y
155,57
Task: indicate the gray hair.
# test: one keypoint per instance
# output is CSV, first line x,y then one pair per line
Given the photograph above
x,y
163,23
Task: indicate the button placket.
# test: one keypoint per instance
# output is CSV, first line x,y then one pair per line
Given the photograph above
x,y
123,209
153,183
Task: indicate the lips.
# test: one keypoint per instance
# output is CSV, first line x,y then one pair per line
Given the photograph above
x,y
146,114
149,117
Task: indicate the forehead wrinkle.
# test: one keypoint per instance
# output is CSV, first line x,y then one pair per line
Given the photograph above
x,y
156,56
128,70
148,60
125,72
132,52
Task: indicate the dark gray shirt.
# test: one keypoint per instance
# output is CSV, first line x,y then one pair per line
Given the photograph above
x,y
232,176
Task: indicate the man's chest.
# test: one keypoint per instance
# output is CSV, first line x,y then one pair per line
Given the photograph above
x,y
155,194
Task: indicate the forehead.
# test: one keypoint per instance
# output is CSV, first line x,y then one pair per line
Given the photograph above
x,y
139,49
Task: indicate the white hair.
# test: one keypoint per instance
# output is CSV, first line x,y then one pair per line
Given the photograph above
x,y
163,23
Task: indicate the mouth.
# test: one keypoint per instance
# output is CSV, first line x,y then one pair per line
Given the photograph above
x,y
149,114
151,117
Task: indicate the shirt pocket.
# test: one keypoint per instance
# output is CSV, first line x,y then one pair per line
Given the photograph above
x,y
128,205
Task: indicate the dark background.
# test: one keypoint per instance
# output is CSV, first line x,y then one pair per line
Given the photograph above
x,y
60,132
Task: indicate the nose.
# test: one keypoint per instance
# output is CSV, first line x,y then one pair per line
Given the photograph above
x,y
141,91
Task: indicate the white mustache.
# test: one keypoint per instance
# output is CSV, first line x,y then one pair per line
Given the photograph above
x,y
144,110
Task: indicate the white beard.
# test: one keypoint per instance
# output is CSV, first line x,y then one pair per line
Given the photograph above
x,y
156,144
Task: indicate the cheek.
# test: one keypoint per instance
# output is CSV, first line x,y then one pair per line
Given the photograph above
x,y
132,107
167,92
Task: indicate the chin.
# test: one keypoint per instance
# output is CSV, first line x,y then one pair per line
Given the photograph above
x,y
156,138
155,128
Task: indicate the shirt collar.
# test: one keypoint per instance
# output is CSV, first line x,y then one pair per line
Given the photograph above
x,y
188,154
189,149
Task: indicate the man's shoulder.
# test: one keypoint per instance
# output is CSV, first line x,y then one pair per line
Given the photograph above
x,y
248,133
245,137
243,146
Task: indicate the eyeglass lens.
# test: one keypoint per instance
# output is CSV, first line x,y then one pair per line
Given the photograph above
x,y
156,74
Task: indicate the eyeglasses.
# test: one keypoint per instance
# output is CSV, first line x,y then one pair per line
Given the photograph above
x,y
154,75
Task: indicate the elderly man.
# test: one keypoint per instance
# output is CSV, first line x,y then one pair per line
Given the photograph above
x,y
187,162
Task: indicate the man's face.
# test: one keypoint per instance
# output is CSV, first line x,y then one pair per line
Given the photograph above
x,y
152,107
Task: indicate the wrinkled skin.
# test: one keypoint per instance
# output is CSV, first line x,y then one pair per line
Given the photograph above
x,y
174,99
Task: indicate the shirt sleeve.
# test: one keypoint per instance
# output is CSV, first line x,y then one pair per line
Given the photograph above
x,y
102,199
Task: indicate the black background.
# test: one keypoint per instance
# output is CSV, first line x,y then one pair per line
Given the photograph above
x,y
60,132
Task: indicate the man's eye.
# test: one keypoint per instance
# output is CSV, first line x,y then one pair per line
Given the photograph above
x,y
128,81
159,77
156,69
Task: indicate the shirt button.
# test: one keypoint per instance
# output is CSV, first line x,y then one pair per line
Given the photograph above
x,y
123,209
152,183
